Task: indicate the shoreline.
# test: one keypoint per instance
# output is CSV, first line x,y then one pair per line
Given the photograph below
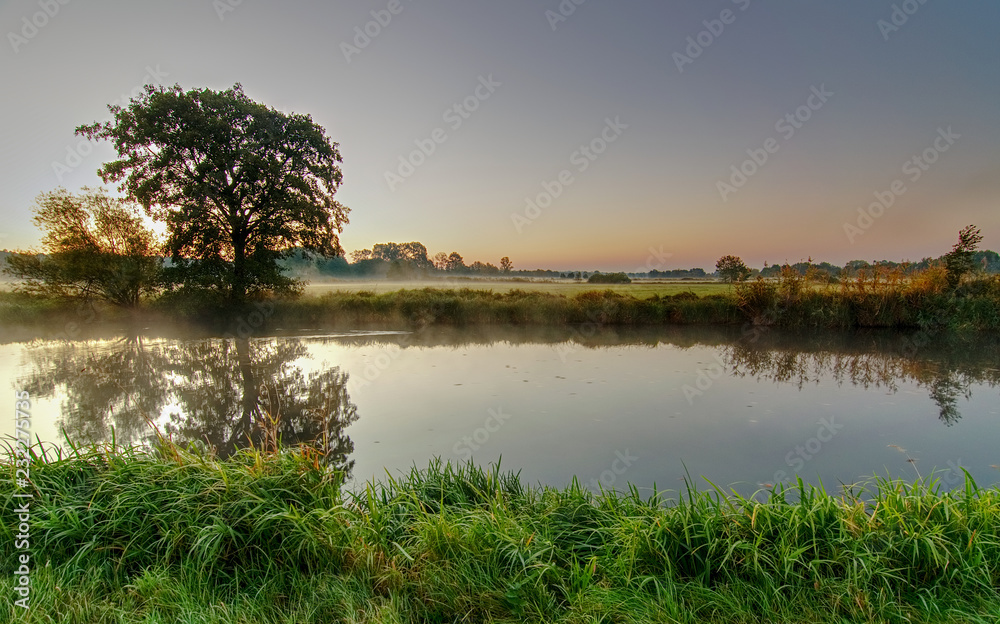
x,y
120,534
754,309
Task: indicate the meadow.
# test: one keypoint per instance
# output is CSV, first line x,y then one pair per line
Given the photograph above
x,y
569,288
171,535
875,300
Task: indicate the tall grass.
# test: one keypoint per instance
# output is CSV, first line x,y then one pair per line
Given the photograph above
x,y
517,307
132,535
878,298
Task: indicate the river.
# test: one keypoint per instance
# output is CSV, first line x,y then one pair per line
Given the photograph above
x,y
743,409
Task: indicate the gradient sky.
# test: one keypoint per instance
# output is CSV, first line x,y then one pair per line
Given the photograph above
x,y
655,188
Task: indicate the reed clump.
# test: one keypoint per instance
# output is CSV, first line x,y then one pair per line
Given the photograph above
x,y
134,535
879,297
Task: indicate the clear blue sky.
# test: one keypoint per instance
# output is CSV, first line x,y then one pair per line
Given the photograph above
x,y
532,89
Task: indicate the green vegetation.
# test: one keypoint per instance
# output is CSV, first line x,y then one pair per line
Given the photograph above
x,y
876,300
958,262
732,269
95,246
132,535
609,278
238,187
415,308
950,294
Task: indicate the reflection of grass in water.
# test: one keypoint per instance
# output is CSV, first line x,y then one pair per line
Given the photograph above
x,y
271,537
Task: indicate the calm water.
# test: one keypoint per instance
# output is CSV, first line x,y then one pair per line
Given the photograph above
x,y
607,406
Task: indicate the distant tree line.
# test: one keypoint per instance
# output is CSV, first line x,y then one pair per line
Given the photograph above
x,y
402,261
985,261
675,273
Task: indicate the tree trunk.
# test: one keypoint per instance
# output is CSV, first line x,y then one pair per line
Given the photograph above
x,y
238,290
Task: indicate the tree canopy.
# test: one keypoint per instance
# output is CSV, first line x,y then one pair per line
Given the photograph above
x,y
959,261
732,269
238,184
94,246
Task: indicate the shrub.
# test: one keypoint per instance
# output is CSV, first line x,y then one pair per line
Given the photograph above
x,y
609,278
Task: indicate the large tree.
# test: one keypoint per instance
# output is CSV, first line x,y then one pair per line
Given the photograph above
x,y
238,184
95,246
732,269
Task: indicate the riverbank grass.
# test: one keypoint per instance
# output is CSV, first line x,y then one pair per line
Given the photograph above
x,y
134,535
925,302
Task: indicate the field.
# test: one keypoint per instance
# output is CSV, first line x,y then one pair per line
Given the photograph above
x,y
926,301
639,289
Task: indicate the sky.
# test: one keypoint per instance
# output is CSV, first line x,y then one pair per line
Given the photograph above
x,y
581,134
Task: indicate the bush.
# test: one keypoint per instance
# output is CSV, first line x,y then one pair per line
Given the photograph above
x,y
609,278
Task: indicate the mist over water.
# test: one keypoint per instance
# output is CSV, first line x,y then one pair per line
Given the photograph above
x,y
607,406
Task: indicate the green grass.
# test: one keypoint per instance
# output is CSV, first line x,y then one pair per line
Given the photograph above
x,y
790,302
409,308
127,535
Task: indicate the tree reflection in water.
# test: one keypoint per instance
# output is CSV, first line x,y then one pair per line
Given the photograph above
x,y
228,394
947,371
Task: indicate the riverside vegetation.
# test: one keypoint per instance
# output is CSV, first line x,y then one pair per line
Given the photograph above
x,y
877,299
85,262
272,535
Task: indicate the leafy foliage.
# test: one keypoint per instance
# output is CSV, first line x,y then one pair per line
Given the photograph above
x,y
732,269
95,246
237,183
133,534
958,262
609,278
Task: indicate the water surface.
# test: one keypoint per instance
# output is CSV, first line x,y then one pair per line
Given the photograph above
x,y
745,409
